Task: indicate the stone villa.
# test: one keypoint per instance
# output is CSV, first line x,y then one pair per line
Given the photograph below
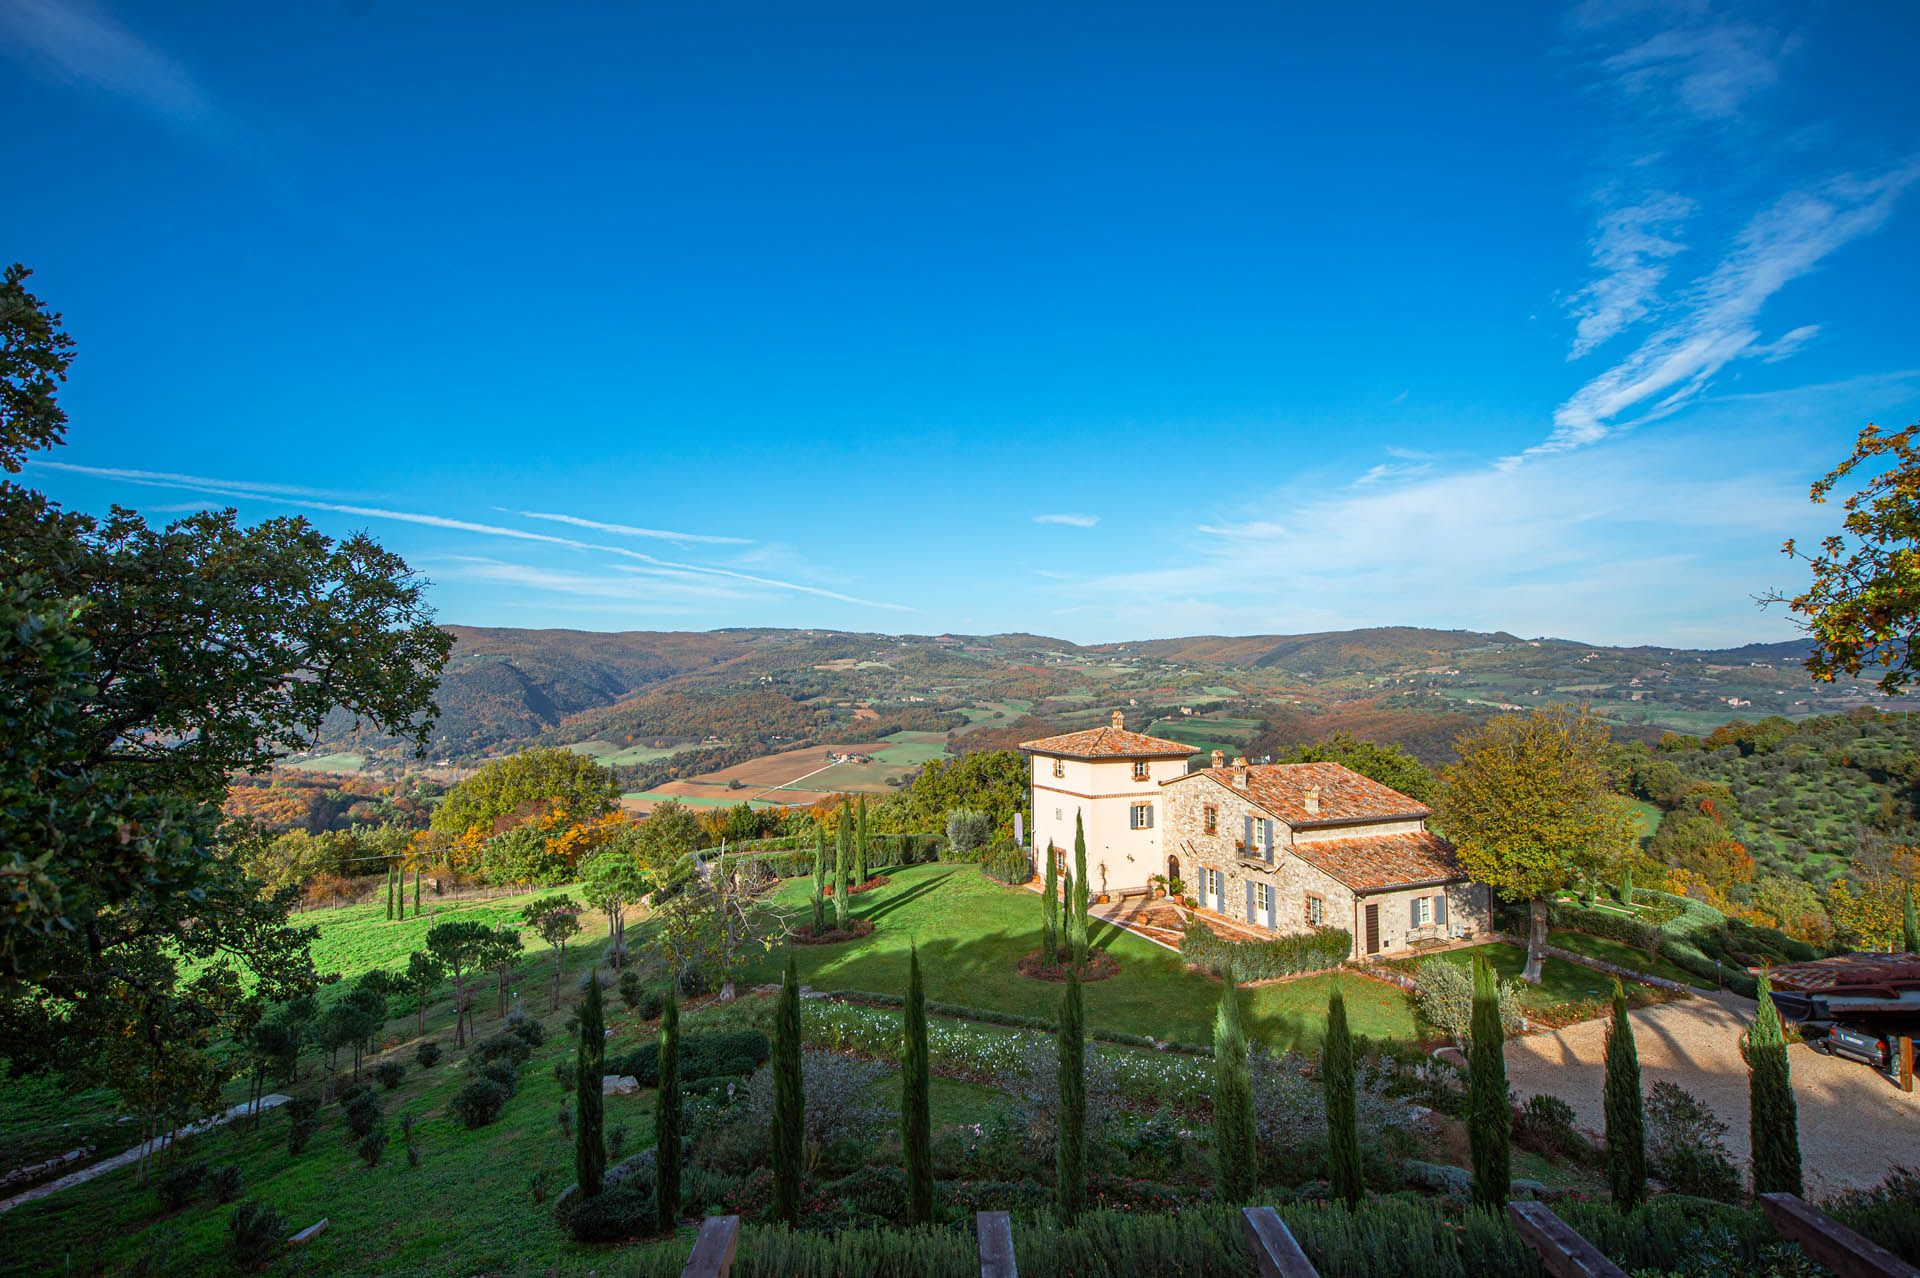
x,y
1277,847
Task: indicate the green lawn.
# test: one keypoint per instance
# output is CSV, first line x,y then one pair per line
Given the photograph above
x,y
727,799
1621,954
971,932
340,762
608,754
359,938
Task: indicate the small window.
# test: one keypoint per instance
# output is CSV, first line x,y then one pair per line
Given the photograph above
x,y
1316,911
1139,769
1254,833
1059,767
1140,816
1263,896
1057,816
1210,819
1421,911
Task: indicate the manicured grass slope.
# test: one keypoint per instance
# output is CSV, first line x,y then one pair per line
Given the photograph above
x,y
972,931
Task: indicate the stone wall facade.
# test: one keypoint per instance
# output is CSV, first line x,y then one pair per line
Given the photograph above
x,y
1228,874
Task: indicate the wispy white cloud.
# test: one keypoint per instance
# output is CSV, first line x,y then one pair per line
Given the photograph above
x,y
1387,472
1716,320
1628,543
284,494
169,479
79,43
634,590
1693,60
1630,249
1071,521
628,530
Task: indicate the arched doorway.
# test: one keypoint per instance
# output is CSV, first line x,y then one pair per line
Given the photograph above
x,y
1173,868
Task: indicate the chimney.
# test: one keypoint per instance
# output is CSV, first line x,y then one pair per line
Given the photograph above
x,y
1219,758
1119,719
1240,772
1313,800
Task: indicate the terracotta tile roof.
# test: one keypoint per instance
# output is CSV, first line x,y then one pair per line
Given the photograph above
x,y
1863,975
1109,743
1345,797
1371,864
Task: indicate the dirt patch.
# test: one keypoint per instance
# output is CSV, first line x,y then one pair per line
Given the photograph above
x,y
856,928
877,881
1100,966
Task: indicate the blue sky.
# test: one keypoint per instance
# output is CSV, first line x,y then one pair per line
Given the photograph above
x,y
1098,322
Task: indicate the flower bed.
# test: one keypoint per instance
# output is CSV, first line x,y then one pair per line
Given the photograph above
x,y
1099,966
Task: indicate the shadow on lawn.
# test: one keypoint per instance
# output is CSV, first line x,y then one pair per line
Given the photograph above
x,y
894,902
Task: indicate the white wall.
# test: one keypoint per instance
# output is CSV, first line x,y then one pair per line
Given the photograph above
x,y
1103,792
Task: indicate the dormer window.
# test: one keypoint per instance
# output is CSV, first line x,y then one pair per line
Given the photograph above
x,y
1059,767
1139,769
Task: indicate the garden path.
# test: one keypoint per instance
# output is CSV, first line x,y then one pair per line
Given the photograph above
x,y
106,1165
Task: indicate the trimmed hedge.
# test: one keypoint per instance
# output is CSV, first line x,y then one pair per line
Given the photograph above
x,y
1007,864
1013,1020
731,1054
1313,951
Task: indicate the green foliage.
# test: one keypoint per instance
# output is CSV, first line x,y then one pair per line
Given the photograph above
x,y
1050,908
709,1054
990,781
1910,925
35,353
224,1183
1337,1090
969,833
1489,1120
1070,1158
589,1140
1077,906
916,1121
1774,1120
819,879
428,1054
1390,765
622,1212
1686,1146
860,874
480,1102
1445,992
1888,1213
669,1149
789,1094
1625,1119
1232,1100
1289,955
1008,864
181,1185
533,782
391,1074
362,1114
373,1145
255,1235
842,869
1531,808
303,1120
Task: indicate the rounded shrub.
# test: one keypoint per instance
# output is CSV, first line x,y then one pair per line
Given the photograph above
x,y
623,1211
428,1054
224,1183
1007,864
181,1185
391,1074
480,1102
255,1234
502,1074
362,1115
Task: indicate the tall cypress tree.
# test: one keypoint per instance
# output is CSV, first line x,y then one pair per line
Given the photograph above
x,y
916,1117
1911,926
1343,1119
1626,1120
416,891
589,1147
861,870
842,855
789,1101
1489,1119
389,891
1774,1118
1050,908
1626,885
1232,1099
668,1144
400,896
819,879
1070,1162
1077,924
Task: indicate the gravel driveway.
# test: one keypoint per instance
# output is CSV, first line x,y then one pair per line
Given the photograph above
x,y
1854,1124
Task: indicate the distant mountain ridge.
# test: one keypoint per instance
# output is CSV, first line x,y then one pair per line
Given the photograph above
x,y
509,686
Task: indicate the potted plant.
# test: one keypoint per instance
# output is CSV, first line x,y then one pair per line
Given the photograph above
x,y
1177,887
1158,882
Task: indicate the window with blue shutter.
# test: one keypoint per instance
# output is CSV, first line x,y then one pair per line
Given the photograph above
x,y
1250,903
1271,895
1440,909
1249,834
1267,834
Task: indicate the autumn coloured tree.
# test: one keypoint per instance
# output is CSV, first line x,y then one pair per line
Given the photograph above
x,y
1531,808
1862,608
